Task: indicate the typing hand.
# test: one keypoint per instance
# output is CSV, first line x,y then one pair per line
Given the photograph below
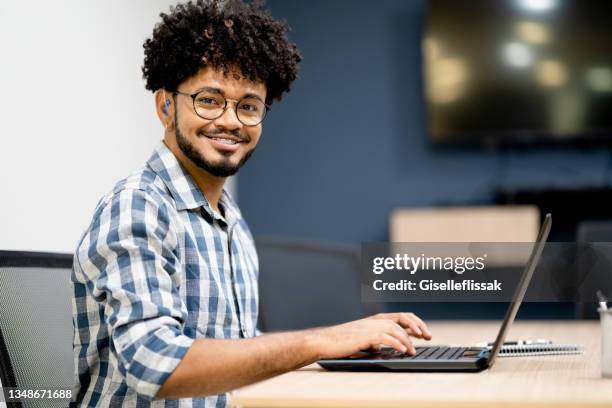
x,y
413,325
391,329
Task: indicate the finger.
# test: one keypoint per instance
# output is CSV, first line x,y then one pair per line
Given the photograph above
x,y
407,322
392,341
424,329
400,334
395,316
413,334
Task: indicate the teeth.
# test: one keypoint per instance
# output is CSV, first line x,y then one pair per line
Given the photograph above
x,y
225,141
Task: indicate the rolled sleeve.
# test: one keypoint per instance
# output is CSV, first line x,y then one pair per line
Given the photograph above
x,y
129,263
150,362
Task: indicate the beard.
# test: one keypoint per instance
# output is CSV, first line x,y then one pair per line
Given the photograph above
x,y
223,168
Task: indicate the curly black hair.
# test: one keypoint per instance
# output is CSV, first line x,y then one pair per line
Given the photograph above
x,y
223,34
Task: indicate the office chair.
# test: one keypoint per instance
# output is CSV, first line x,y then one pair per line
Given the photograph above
x,y
594,231
306,284
36,324
468,224
599,270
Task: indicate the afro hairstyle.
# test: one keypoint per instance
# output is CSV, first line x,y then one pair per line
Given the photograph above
x,y
225,35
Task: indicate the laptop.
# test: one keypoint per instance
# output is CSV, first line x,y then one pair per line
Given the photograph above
x,y
443,358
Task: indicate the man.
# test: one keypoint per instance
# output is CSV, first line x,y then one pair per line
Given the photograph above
x,y
165,276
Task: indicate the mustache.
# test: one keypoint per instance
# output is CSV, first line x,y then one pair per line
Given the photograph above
x,y
220,132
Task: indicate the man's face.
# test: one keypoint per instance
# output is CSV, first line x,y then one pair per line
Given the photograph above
x,y
218,146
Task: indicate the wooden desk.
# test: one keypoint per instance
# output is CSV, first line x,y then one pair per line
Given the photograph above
x,y
543,381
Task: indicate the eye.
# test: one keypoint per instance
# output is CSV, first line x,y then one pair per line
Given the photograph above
x,y
248,107
207,101
251,106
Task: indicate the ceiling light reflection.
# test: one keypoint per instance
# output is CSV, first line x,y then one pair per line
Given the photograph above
x,y
517,55
537,6
599,79
447,79
432,48
534,33
551,73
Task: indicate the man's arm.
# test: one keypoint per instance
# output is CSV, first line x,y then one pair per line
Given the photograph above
x,y
213,366
128,260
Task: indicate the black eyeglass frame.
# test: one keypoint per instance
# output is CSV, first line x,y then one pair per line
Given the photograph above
x,y
237,102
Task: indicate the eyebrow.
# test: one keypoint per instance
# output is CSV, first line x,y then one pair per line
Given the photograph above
x,y
219,91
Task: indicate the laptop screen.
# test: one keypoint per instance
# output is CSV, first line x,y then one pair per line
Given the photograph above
x,y
521,288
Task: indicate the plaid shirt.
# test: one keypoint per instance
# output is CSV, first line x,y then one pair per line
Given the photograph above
x,y
156,269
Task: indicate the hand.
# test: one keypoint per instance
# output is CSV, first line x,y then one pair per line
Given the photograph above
x,y
414,326
391,329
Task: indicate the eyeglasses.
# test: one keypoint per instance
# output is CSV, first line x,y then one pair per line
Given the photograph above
x,y
209,105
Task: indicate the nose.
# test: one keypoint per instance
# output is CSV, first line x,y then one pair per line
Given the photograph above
x,y
229,119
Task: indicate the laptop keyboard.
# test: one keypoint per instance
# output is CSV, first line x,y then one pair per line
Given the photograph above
x,y
425,353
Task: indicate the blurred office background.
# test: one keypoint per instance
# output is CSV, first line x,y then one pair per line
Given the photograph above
x,y
350,143
399,105
436,105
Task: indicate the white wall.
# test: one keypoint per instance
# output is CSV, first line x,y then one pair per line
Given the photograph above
x,y
74,114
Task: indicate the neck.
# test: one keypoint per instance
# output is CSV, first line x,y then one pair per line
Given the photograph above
x,y
211,186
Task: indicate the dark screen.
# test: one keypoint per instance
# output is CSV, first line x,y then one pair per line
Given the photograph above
x,y
504,71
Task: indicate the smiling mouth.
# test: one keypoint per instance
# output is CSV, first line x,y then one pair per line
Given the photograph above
x,y
224,140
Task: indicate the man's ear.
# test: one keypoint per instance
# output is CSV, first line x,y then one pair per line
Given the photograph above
x,y
164,105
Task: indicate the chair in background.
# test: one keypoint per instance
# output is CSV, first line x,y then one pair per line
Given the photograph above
x,y
587,232
594,231
36,324
305,284
494,224
467,225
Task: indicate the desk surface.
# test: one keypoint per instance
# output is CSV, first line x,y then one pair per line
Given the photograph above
x,y
542,381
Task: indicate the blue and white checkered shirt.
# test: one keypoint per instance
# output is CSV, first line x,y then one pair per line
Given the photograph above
x,y
156,269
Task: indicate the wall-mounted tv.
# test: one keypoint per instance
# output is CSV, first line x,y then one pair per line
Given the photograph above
x,y
518,71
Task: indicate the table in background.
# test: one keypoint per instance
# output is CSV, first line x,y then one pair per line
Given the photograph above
x,y
536,381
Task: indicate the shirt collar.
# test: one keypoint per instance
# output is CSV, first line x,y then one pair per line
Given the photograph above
x,y
183,188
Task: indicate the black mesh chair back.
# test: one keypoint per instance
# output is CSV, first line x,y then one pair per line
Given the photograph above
x,y
36,325
594,231
305,284
589,232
